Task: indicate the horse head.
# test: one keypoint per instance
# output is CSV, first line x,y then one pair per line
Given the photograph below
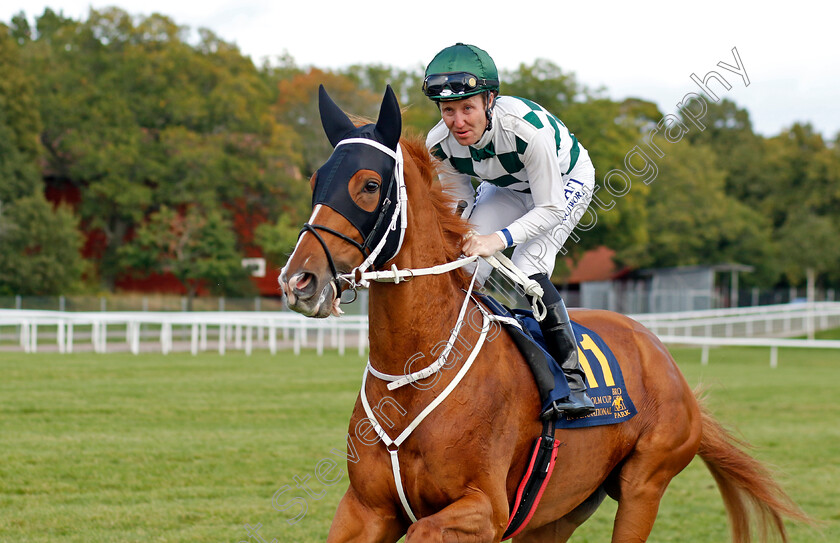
x,y
355,208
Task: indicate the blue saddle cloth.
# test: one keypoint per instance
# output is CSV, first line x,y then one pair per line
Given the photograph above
x,y
604,378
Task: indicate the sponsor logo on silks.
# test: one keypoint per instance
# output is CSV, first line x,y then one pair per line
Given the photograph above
x,y
573,197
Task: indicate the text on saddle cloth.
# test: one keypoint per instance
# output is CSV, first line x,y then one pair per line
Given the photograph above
x,y
604,378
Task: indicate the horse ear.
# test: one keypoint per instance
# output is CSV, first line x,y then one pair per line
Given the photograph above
x,y
335,122
389,124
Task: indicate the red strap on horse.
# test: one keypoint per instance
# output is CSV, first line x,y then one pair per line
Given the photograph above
x,y
534,481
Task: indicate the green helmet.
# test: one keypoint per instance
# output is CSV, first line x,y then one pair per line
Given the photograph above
x,y
460,71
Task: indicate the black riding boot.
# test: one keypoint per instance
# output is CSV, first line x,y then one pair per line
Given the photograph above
x,y
560,339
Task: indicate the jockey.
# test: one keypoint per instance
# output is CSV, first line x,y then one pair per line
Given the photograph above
x,y
536,181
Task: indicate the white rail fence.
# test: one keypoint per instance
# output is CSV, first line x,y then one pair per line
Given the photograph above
x,y
758,326
187,331
783,320
202,331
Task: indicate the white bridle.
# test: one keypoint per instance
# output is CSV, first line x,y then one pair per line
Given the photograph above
x,y
400,208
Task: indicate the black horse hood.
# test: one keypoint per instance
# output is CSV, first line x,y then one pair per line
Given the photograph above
x,y
332,179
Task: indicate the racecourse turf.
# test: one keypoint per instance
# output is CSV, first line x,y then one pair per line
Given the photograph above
x,y
178,448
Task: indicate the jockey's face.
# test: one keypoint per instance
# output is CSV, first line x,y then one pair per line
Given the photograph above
x,y
465,118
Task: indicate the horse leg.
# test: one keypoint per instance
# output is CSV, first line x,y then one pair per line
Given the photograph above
x,y
472,519
356,523
561,530
641,483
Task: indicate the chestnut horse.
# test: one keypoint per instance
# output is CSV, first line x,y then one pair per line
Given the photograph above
x,y
458,470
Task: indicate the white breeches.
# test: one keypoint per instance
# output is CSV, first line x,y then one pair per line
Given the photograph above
x,y
496,207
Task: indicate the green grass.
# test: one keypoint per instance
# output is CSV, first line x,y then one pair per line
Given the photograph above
x,y
180,448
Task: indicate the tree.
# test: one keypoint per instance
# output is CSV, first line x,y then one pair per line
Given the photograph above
x,y
277,240
297,107
545,83
419,114
198,247
39,248
135,118
808,242
692,220
610,131
741,153
20,123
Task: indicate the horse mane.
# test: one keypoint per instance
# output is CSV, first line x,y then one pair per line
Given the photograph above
x,y
453,227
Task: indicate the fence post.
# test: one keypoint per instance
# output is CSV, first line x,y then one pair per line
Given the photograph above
x,y
24,336
203,340
135,337
272,337
69,338
33,337
60,336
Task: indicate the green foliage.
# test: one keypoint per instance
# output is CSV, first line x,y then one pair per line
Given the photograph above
x,y
125,117
297,108
692,220
198,247
39,248
136,118
278,239
808,240
20,123
545,83
610,130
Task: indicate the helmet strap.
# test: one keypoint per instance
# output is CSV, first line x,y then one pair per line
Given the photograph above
x,y
489,96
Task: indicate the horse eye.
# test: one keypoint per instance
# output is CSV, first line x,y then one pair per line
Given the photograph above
x,y
371,187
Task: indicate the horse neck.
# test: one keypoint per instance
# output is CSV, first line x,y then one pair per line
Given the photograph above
x,y
410,318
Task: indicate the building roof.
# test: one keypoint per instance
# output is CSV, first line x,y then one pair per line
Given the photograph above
x,y
594,265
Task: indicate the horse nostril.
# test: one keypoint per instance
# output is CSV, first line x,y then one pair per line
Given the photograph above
x,y
302,280
303,284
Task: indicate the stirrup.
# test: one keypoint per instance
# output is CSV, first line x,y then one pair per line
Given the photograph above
x,y
576,404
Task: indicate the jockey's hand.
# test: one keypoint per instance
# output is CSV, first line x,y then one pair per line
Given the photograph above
x,y
482,245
